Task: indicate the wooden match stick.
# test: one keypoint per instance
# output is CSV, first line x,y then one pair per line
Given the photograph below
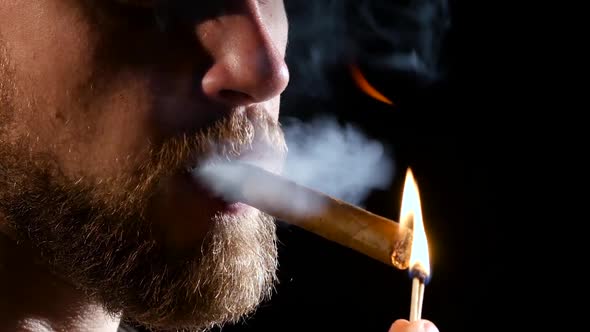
x,y
418,285
417,299
377,237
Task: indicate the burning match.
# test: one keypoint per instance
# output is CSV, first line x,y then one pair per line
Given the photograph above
x,y
411,214
348,225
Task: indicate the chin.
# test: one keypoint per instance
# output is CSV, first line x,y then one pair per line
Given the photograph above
x,y
226,280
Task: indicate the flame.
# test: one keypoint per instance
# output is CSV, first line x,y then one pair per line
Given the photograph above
x,y
411,213
364,85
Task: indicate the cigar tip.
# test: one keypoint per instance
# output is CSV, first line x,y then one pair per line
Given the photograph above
x,y
400,256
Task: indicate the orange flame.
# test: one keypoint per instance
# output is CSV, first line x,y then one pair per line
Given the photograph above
x,y
411,212
364,85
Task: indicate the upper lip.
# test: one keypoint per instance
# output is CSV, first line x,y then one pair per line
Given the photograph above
x,y
258,152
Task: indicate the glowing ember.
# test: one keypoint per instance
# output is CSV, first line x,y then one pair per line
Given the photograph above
x,y
364,85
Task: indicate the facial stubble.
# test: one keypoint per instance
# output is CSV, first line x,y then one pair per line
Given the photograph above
x,y
95,233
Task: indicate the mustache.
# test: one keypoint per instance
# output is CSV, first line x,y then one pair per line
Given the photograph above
x,y
233,137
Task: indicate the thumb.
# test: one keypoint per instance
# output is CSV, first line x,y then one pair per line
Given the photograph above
x,y
423,325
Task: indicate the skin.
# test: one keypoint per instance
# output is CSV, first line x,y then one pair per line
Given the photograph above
x,y
88,91
423,325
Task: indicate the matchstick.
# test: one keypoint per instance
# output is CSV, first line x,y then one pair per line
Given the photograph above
x,y
418,285
377,237
417,299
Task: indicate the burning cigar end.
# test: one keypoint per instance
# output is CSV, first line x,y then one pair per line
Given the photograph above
x,y
377,237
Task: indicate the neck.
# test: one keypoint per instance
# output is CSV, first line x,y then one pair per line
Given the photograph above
x,y
33,299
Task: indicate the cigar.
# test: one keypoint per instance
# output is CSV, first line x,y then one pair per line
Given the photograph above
x,y
335,220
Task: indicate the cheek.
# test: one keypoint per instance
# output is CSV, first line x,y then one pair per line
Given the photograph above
x,y
108,133
65,104
100,133
52,49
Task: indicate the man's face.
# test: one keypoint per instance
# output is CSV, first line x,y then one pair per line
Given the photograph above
x,y
105,106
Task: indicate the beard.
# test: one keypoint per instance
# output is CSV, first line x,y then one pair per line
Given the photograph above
x,y
96,234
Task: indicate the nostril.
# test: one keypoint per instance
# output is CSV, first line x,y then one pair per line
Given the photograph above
x,y
235,97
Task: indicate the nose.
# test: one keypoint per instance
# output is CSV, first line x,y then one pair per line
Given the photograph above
x,y
248,60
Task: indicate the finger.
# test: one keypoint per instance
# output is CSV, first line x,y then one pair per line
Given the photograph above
x,y
399,325
402,325
429,326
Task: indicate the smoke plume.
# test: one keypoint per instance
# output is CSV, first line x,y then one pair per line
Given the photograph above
x,y
339,160
393,36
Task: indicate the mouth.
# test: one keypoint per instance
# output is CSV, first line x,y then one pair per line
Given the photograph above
x,y
186,208
248,136
267,159
212,200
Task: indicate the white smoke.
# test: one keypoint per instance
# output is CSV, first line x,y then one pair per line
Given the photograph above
x,y
339,160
